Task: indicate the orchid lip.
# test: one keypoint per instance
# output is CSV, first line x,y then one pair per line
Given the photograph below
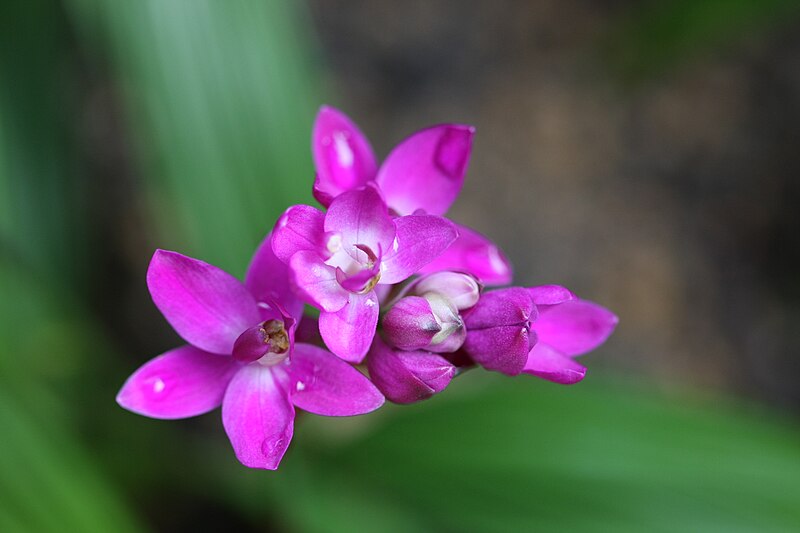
x,y
268,343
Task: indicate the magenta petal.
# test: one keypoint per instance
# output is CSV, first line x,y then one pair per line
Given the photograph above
x,y
299,228
502,348
342,155
420,239
317,281
180,383
208,307
323,384
547,363
258,416
361,218
410,324
474,253
574,327
503,307
267,279
348,333
550,294
426,170
407,377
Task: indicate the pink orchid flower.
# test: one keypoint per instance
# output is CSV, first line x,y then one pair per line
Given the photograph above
x,y
423,172
240,354
336,260
537,331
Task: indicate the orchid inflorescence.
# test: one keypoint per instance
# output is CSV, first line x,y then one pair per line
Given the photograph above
x,y
398,286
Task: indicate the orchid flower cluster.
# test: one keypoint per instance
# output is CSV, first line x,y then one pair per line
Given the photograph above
x,y
398,287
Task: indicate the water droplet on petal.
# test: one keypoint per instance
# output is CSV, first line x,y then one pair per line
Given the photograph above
x,y
158,385
274,447
370,302
300,386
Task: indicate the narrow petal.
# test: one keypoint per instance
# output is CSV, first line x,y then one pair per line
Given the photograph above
x,y
180,383
208,307
550,294
348,333
474,253
408,377
267,279
258,416
342,155
361,218
420,240
502,348
299,228
323,384
575,327
317,281
549,364
426,171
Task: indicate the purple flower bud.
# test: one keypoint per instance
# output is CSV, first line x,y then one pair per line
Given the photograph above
x,y
462,290
431,323
408,377
499,330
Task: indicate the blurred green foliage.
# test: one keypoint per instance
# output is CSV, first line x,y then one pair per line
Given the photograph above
x,y
218,100
653,37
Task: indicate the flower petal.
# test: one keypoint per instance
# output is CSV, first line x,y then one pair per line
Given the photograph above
x,y
502,348
298,228
258,416
410,324
408,377
574,327
547,363
342,155
474,253
426,171
550,294
349,332
420,239
317,281
323,384
462,290
180,383
208,307
267,279
361,218
503,307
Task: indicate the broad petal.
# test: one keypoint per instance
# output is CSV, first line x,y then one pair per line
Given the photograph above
x,y
420,239
474,253
317,281
267,279
323,384
408,377
180,383
550,294
208,307
575,327
299,228
349,332
342,155
547,363
361,218
258,416
426,171
502,348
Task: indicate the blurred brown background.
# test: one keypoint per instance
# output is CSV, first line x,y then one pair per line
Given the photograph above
x,y
644,154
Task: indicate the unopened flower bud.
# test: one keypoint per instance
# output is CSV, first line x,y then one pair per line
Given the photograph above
x,y
408,376
460,289
499,333
429,322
